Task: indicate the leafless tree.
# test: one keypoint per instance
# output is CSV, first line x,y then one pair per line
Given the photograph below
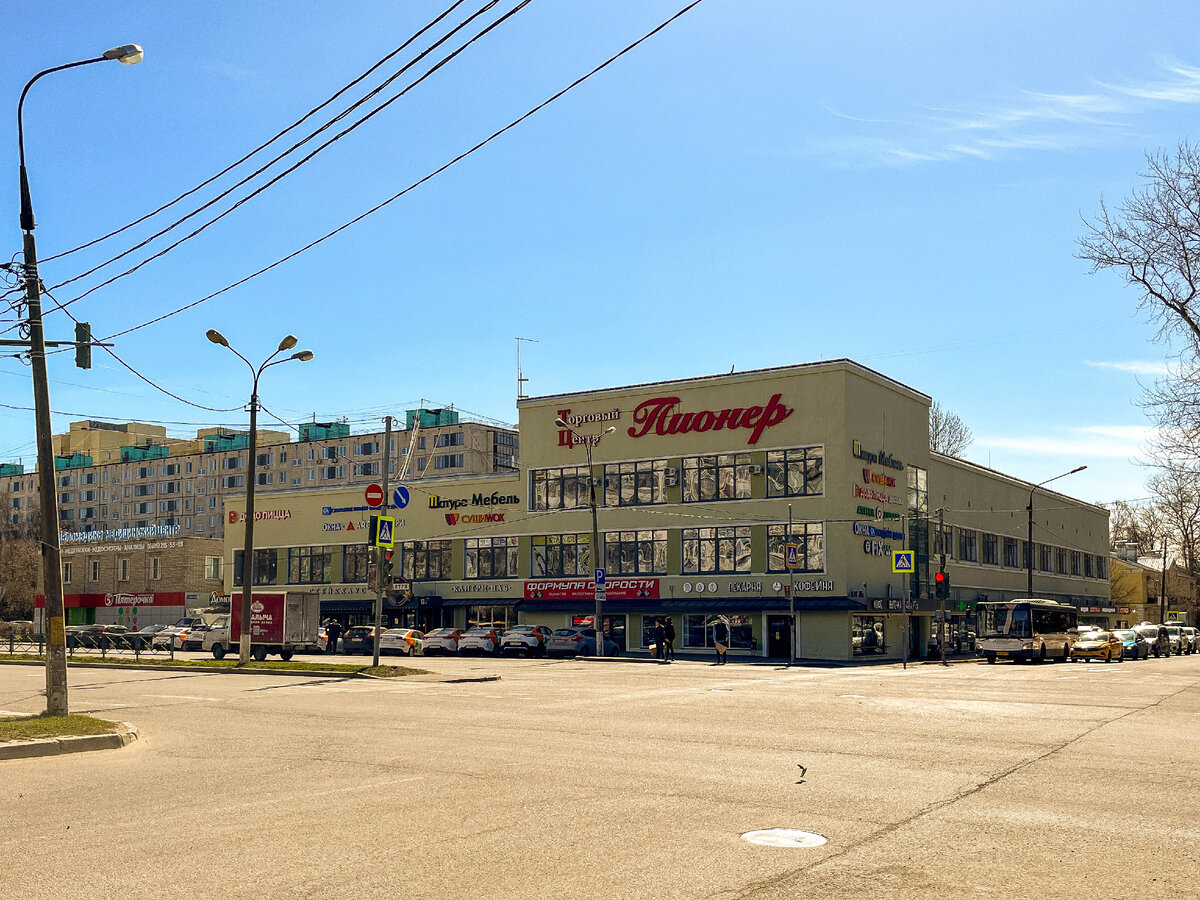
x,y
1177,497
947,433
1153,241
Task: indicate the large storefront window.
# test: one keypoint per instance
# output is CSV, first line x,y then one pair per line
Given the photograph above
x,y
561,555
354,564
636,552
635,483
491,557
309,565
868,635
698,631
265,566
715,551
809,536
564,488
724,476
797,472
426,560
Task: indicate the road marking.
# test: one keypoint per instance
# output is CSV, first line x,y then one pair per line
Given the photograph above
x,y
185,697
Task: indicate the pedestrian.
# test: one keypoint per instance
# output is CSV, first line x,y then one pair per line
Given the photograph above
x,y
721,641
660,641
669,638
332,631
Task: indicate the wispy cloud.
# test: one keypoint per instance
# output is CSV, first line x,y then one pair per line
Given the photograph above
x,y
1031,121
1095,441
1133,366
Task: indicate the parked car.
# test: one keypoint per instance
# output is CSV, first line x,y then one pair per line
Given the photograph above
x,y
75,635
1098,645
405,641
1156,637
1135,645
441,640
1188,634
359,639
143,638
578,642
1175,638
176,635
525,640
481,639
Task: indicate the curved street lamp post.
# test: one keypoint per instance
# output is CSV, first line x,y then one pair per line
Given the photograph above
x,y
597,555
1029,538
53,614
248,552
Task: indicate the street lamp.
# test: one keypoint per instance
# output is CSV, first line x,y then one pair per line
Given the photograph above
x,y
53,614
598,557
248,553
1029,540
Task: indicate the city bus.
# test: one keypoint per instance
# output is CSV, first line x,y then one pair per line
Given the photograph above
x,y
1025,628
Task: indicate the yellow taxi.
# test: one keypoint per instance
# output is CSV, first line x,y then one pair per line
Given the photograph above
x,y
1098,645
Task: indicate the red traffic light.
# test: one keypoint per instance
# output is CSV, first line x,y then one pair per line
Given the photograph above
x,y
939,577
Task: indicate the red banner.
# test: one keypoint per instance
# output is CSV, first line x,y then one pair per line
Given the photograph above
x,y
585,589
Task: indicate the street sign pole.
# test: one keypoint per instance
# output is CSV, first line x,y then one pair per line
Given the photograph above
x,y
383,567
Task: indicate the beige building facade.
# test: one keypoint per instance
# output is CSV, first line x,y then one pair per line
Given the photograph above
x,y
706,490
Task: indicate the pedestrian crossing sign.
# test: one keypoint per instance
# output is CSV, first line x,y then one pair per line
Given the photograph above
x,y
904,561
383,532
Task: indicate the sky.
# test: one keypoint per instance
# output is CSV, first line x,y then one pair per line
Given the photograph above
x,y
761,183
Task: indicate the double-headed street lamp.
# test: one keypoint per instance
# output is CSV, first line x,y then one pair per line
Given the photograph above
x,y
1029,541
53,614
597,552
248,553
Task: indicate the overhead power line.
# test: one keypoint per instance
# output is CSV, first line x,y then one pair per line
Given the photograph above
x,y
304,118
511,125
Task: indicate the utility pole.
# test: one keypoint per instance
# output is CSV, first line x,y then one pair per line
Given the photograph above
x,y
791,596
383,568
1162,594
942,624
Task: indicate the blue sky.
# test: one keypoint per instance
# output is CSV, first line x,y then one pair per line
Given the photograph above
x,y
762,183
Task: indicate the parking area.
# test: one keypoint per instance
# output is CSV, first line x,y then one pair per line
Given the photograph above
x,y
579,779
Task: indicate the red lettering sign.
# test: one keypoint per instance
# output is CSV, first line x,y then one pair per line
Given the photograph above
x,y
658,416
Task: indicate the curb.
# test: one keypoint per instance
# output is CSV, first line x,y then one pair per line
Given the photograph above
x,y
77,744
198,670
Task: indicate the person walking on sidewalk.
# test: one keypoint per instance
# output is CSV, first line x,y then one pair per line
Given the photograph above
x,y
721,640
669,640
660,641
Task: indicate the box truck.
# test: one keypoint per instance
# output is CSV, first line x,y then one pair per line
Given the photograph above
x,y
284,622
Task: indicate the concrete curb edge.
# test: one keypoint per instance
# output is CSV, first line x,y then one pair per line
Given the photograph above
x,y
83,743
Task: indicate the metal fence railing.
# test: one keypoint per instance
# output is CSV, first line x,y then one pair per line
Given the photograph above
x,y
102,645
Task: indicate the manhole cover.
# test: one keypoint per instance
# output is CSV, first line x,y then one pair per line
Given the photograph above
x,y
784,837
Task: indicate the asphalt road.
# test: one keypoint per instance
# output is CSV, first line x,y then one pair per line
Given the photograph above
x,y
618,780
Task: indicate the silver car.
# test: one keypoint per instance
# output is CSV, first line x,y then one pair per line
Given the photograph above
x,y
578,642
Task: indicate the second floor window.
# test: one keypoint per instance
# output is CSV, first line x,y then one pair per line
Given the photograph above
x,y
491,557
565,488
809,538
712,551
636,552
561,555
426,560
796,472
309,565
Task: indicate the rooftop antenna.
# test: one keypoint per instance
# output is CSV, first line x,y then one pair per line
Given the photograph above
x,y
521,379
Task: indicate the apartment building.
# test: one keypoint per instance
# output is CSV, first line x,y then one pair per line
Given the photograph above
x,y
132,476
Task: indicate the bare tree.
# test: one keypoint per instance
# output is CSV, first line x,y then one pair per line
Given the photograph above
x,y
1177,498
947,433
1153,241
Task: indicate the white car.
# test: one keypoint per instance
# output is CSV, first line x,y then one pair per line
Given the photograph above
x,y
177,635
481,639
405,641
525,640
441,640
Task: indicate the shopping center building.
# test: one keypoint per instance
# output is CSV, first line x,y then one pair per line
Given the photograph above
x,y
701,487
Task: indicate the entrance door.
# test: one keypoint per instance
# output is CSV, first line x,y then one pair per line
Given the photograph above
x,y
779,636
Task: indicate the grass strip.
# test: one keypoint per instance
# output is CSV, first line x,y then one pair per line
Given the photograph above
x,y
28,728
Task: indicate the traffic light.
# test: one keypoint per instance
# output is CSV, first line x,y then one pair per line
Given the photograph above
x,y
941,585
83,345
385,565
